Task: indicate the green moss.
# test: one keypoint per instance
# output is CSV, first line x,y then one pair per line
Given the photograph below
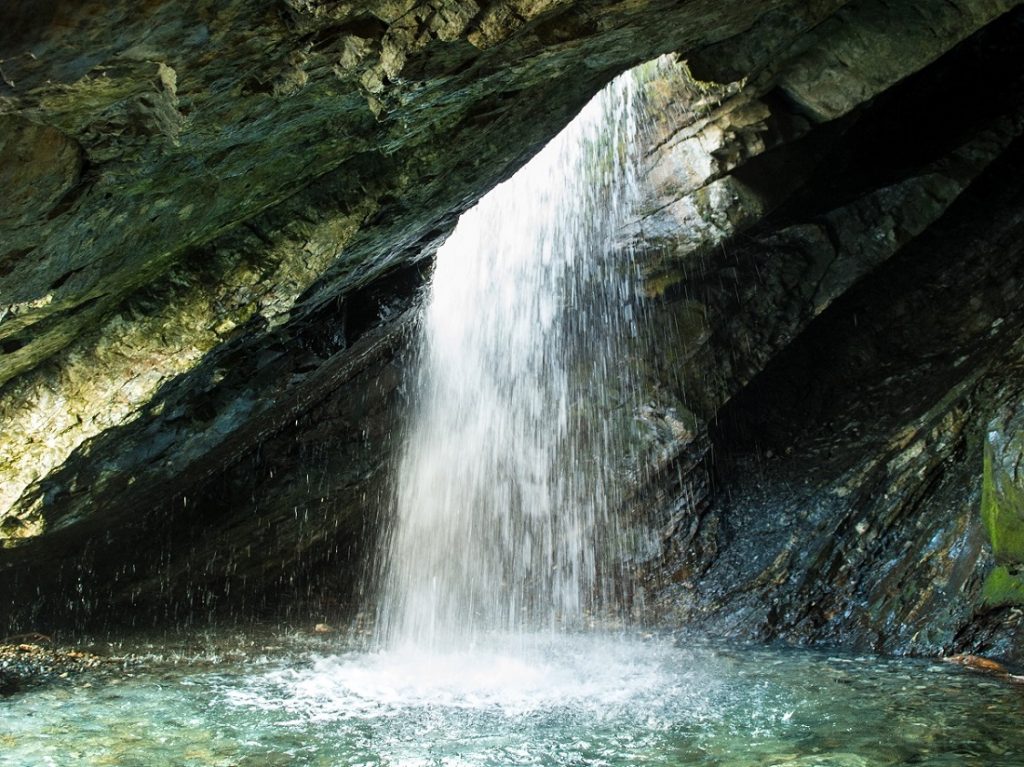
x,y
658,285
1002,509
1002,588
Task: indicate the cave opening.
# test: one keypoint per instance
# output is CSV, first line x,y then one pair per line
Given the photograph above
x,y
696,441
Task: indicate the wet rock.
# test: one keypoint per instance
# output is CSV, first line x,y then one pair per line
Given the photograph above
x,y
869,45
252,177
849,362
39,164
986,666
223,223
1002,503
29,664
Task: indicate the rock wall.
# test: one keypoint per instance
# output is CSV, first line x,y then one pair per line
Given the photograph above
x,y
181,180
840,340
220,224
208,203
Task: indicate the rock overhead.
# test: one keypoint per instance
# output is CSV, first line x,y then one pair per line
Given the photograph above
x,y
217,222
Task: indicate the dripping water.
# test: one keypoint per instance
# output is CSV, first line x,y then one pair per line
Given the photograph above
x,y
507,484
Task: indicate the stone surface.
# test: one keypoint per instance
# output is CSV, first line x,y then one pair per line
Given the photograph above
x,y
38,164
245,166
220,225
30,661
1002,502
846,495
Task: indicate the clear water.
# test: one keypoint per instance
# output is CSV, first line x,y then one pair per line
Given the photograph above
x,y
506,484
573,700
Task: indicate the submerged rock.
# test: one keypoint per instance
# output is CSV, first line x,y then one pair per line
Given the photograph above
x,y
36,661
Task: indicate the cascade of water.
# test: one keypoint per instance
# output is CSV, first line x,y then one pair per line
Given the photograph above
x,y
505,497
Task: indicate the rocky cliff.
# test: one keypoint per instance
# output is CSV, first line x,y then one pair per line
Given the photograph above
x,y
219,217
842,342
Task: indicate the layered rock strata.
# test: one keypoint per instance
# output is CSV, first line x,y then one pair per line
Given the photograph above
x,y
219,227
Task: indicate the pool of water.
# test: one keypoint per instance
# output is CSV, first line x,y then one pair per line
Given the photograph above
x,y
580,700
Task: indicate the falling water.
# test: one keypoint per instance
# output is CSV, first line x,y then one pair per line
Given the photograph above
x,y
506,484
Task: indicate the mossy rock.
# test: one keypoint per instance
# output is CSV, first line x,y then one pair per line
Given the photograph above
x,y
1002,588
1002,509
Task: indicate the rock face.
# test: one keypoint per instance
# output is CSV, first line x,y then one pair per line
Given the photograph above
x,y
216,228
847,362
240,193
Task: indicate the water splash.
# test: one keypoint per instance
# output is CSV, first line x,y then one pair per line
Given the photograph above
x,y
591,674
586,701
506,490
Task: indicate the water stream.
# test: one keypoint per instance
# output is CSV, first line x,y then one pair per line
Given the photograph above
x,y
504,515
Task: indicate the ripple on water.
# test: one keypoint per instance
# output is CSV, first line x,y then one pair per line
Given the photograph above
x,y
580,700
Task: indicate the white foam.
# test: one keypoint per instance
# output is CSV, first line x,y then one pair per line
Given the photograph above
x,y
595,675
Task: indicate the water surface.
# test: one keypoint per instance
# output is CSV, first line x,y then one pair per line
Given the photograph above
x,y
574,700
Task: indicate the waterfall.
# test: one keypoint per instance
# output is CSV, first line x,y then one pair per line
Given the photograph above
x,y
506,495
